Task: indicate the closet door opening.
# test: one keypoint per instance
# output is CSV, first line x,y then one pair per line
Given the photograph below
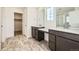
x,y
18,23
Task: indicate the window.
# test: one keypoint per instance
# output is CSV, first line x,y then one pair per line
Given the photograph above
x,y
49,13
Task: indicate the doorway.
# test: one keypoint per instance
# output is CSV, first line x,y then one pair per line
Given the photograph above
x,y
18,23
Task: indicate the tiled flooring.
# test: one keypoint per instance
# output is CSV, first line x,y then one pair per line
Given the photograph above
x,y
21,43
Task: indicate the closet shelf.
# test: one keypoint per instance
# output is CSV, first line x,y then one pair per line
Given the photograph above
x,y
18,19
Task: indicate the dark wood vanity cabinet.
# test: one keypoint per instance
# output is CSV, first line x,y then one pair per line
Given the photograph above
x,y
63,41
38,35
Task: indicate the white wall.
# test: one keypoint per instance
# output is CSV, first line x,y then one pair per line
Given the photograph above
x,y
40,16
0,28
19,9
31,19
25,22
8,21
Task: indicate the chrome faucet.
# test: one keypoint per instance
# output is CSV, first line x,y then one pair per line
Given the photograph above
x,y
66,25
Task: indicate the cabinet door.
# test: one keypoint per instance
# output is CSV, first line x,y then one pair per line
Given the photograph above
x,y
33,32
52,42
40,35
64,44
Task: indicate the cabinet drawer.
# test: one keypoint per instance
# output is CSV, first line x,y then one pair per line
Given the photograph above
x,y
65,34
40,35
63,44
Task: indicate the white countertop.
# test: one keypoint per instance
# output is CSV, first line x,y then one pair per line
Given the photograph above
x,y
38,26
44,29
70,30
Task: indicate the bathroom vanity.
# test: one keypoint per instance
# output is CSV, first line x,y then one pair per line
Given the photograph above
x,y
63,39
36,34
60,39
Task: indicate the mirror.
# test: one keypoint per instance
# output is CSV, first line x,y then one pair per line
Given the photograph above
x,y
67,17
46,17
73,18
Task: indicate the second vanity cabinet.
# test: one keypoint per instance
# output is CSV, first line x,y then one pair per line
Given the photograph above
x,y
63,41
36,34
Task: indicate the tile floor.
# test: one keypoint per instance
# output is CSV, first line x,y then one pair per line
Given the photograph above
x,y
21,43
